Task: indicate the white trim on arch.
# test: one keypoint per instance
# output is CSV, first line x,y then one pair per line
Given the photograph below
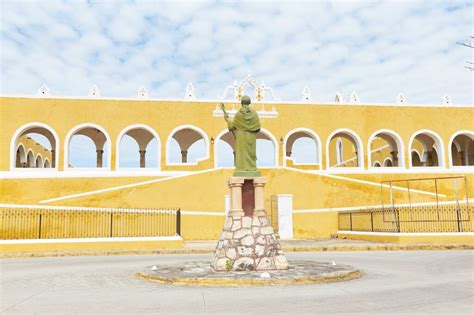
x,y
138,126
44,162
22,129
41,160
385,162
313,135
20,144
398,141
450,156
418,153
360,149
439,149
34,158
73,131
198,130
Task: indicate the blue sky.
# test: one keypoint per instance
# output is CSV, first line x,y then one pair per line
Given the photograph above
x,y
376,48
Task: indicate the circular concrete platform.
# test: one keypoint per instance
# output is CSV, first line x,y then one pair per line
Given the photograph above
x,y
201,274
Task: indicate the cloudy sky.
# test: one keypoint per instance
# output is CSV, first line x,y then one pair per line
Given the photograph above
x,y
376,48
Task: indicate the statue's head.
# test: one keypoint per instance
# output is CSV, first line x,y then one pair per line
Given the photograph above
x,y
245,100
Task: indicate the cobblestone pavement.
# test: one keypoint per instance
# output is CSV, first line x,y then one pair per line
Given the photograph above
x,y
393,282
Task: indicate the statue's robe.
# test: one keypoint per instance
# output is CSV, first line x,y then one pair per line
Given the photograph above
x,y
246,124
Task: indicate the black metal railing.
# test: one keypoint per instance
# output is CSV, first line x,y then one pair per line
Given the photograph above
x,y
416,218
51,223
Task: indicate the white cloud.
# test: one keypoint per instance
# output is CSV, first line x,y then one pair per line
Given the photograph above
x,y
376,48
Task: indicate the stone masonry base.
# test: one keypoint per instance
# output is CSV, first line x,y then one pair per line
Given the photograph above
x,y
248,243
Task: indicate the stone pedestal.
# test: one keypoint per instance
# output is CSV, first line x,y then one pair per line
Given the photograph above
x,y
247,241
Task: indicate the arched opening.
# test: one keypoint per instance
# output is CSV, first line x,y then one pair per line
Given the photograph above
x,y
344,149
376,164
38,138
39,161
386,145
339,151
47,164
30,159
20,156
415,158
302,146
138,147
462,149
87,146
187,145
266,149
224,149
431,145
388,162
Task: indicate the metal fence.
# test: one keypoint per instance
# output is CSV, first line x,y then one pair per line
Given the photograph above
x,y
47,223
417,218
449,216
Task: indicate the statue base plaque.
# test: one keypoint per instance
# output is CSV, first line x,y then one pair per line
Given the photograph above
x,y
248,241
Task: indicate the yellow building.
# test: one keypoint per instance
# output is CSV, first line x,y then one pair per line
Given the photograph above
x,y
356,147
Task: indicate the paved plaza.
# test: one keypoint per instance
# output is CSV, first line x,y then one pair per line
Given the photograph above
x,y
393,282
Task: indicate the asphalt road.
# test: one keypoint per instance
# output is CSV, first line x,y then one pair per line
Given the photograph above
x,y
393,282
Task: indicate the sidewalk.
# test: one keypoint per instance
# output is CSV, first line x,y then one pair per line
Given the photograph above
x,y
202,247
333,244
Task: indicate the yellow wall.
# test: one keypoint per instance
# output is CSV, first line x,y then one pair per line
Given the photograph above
x,y
315,225
204,191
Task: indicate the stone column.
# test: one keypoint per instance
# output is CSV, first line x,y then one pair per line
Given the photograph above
x,y
142,158
53,158
184,156
429,158
235,186
259,184
100,154
461,159
394,155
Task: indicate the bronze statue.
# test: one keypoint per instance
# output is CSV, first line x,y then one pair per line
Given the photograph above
x,y
244,127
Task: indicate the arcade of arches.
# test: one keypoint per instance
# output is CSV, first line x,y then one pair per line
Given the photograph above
x,y
188,135
344,148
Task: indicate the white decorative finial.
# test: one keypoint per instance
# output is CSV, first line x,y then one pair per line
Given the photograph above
x,y
190,95
239,88
339,98
446,100
142,92
306,94
401,99
43,90
354,99
94,91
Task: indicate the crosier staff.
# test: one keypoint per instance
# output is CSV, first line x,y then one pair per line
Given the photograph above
x,y
226,117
